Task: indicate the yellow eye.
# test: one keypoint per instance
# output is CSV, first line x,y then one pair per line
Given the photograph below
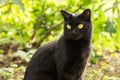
x,y
68,26
80,26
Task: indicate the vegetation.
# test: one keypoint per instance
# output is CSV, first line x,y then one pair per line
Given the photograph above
x,y
27,24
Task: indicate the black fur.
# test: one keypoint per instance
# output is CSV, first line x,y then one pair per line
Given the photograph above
x,y
66,58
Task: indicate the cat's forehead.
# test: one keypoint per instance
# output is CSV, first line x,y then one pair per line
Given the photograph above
x,y
75,18
74,15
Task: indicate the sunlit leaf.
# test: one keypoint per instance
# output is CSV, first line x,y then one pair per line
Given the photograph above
x,y
19,3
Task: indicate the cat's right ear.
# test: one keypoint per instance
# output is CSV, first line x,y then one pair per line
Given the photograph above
x,y
65,14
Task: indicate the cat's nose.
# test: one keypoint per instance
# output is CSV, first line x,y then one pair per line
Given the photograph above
x,y
74,31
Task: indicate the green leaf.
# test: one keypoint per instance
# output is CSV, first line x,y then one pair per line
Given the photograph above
x,y
110,27
19,3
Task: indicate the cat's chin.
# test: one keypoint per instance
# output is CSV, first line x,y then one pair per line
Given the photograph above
x,y
74,37
77,38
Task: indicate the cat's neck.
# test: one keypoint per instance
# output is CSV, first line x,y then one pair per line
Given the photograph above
x,y
80,43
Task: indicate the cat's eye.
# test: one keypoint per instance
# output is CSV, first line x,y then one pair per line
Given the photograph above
x,y
80,26
68,26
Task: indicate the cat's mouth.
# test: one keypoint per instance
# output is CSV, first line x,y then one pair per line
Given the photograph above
x,y
77,37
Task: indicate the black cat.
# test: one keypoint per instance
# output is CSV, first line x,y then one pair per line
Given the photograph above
x,y
66,58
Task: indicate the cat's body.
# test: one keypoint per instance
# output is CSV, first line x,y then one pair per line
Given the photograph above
x,y
66,58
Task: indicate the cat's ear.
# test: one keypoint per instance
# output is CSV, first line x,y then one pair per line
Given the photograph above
x,y
65,14
87,13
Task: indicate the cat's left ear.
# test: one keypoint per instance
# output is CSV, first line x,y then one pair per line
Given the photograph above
x,y
87,13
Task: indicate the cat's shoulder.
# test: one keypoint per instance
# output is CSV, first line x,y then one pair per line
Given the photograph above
x,y
48,46
46,49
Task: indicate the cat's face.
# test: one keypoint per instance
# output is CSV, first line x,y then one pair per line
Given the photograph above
x,y
77,26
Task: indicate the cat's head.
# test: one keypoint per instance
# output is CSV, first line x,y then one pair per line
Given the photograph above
x,y
77,26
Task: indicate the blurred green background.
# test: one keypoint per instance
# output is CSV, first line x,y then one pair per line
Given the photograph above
x,y
25,25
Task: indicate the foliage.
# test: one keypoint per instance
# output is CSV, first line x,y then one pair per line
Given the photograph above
x,y
27,24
